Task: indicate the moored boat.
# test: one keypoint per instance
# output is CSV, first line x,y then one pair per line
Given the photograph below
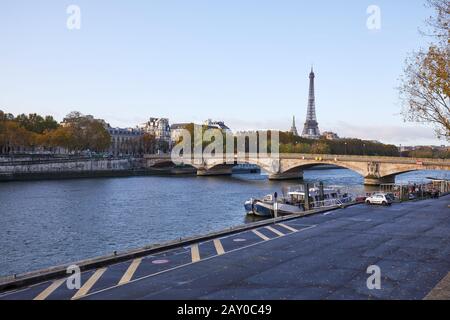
x,y
294,201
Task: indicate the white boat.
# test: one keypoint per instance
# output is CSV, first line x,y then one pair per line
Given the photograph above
x,y
265,207
294,201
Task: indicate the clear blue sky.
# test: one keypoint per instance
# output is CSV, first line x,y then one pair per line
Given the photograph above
x,y
245,62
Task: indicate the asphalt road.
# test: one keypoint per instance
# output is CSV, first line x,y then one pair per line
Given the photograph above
x,y
324,256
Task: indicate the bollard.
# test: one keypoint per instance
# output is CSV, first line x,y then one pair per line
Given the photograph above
x,y
275,205
307,204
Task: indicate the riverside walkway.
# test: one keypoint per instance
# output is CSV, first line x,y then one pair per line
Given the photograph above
x,y
322,256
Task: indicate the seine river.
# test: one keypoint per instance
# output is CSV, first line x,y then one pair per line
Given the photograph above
x,y
46,223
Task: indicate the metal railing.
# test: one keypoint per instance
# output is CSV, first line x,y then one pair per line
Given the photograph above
x,y
412,191
329,203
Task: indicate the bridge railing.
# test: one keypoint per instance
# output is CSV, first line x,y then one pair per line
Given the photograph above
x,y
336,158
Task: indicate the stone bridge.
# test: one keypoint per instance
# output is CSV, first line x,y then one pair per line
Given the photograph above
x,y
375,170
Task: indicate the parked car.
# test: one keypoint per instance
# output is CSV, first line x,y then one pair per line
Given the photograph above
x,y
380,198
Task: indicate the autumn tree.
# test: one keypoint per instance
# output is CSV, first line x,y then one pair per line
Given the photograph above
x,y
320,147
82,132
425,86
36,123
97,138
424,152
6,116
13,136
148,143
78,132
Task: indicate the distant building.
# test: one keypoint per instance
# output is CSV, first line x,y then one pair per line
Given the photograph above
x,y
216,125
124,141
406,148
294,128
441,147
68,121
330,135
176,131
246,132
159,127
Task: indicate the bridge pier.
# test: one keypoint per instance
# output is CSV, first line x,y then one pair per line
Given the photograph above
x,y
369,181
293,175
218,171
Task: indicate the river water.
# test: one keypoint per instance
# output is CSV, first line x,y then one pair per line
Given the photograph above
x,y
46,223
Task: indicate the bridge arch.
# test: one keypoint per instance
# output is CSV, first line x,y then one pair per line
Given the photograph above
x,y
264,165
360,169
396,171
162,164
167,164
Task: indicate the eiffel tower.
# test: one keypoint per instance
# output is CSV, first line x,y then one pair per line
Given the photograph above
x,y
293,128
311,128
